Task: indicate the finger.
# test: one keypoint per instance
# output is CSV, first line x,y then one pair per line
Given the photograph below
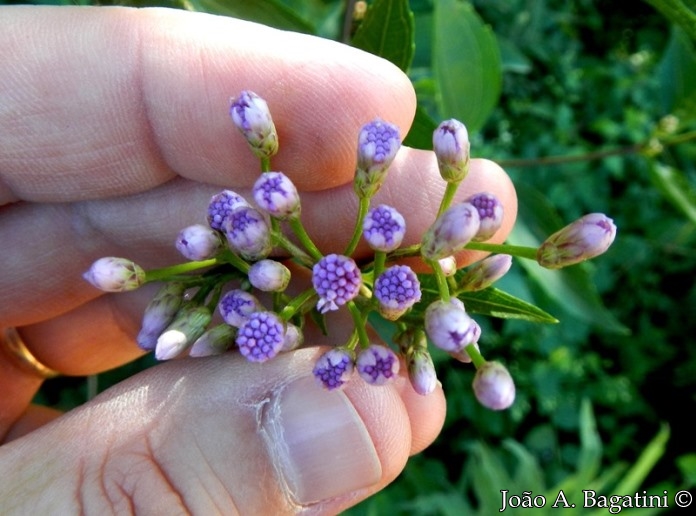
x,y
118,101
221,435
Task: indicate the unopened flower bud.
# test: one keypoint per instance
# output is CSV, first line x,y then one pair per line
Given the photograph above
x,y
215,341
493,386
252,117
449,326
248,233
384,228
187,326
486,272
337,280
585,238
276,194
448,264
237,305
421,372
490,212
463,355
397,289
294,338
378,143
451,231
269,276
198,242
261,337
159,314
451,146
334,368
221,205
112,274
377,364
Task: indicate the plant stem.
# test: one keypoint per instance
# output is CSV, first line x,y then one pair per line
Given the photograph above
x,y
265,164
441,279
447,197
297,253
359,323
363,206
296,304
475,355
380,259
305,240
514,250
165,272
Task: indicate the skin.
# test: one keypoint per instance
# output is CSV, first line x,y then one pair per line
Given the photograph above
x,y
114,134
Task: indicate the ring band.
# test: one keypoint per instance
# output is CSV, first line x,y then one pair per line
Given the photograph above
x,y
18,352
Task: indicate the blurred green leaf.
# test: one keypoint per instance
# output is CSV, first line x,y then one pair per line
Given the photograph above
x,y
677,11
655,449
269,12
497,303
676,188
687,466
466,62
677,76
388,31
421,134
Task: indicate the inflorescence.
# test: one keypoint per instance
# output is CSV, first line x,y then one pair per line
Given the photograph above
x,y
211,304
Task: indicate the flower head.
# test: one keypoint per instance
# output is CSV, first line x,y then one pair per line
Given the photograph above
x,y
451,146
276,194
490,212
198,242
221,205
293,339
187,326
493,386
337,280
449,326
334,368
237,305
585,238
159,313
486,272
112,274
215,341
451,231
378,143
269,276
421,371
384,228
261,337
252,117
397,289
248,233
377,364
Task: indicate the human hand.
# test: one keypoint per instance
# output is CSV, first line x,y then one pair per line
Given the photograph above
x,y
114,135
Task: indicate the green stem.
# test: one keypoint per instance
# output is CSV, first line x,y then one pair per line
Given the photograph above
x,y
380,260
363,206
441,279
304,238
265,164
234,260
166,272
298,254
447,197
296,304
529,253
359,323
475,355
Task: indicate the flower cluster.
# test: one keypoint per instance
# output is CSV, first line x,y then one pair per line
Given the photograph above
x,y
232,293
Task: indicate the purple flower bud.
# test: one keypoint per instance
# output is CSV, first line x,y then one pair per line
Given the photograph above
x,y
261,337
448,264
221,205
276,194
397,289
252,117
449,326
159,314
451,231
269,276
237,305
334,368
587,237
384,228
112,274
198,242
421,372
293,339
490,212
377,364
493,386
378,143
248,233
486,272
215,341
451,146
187,326
337,280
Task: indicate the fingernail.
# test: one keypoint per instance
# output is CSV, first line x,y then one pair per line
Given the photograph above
x,y
321,445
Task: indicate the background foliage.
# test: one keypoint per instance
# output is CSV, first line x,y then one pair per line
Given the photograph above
x,y
590,106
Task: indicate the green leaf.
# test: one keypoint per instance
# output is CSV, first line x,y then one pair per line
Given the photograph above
x,y
676,188
496,303
268,12
466,62
388,31
679,13
677,75
421,134
648,458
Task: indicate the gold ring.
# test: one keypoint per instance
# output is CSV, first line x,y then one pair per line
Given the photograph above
x,y
17,351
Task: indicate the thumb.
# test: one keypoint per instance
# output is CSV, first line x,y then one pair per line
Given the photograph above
x,y
221,436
